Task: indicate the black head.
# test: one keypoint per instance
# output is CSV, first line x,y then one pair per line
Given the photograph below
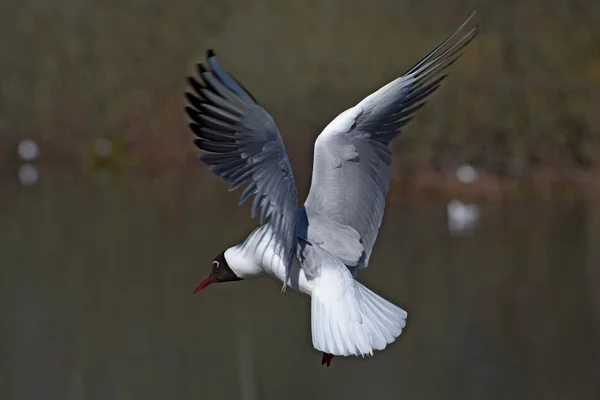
x,y
220,273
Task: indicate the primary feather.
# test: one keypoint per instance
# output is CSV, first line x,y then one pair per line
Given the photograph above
x,y
245,146
351,172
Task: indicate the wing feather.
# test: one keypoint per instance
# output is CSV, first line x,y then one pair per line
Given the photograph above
x,y
352,192
244,146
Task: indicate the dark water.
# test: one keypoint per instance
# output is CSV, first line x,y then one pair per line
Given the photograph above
x,y
96,301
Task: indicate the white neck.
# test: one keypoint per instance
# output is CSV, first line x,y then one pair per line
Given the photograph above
x,y
257,255
241,262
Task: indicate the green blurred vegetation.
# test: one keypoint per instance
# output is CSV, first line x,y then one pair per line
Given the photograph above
x,y
525,95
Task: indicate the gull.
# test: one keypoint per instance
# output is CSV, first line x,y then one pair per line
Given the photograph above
x,y
317,249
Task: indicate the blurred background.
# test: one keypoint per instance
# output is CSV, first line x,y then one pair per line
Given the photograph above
x,y
491,238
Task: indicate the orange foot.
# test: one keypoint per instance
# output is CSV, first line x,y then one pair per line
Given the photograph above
x,y
326,359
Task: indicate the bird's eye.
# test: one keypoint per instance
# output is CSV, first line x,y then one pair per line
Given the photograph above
x,y
216,264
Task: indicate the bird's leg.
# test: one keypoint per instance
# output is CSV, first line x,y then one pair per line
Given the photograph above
x,y
326,359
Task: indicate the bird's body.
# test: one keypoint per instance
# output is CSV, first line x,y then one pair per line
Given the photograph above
x,y
319,248
257,256
334,291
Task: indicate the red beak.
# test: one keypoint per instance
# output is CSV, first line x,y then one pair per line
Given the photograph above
x,y
204,283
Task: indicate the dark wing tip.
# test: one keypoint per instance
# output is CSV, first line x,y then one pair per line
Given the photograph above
x,y
197,86
194,115
193,100
195,128
201,68
210,53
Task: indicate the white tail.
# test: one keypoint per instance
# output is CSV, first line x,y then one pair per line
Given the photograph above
x,y
353,322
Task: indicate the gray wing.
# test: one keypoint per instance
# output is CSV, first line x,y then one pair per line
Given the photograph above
x,y
245,146
351,159
341,240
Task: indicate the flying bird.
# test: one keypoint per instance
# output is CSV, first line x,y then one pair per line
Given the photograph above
x,y
319,248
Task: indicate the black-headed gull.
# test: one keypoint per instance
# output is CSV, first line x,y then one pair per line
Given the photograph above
x,y
317,249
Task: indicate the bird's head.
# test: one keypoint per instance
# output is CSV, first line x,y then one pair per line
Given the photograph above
x,y
221,272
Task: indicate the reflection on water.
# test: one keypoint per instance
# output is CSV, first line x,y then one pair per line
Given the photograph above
x,y
96,302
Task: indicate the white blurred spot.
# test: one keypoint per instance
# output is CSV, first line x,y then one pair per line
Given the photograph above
x,y
28,149
28,174
462,218
466,173
103,147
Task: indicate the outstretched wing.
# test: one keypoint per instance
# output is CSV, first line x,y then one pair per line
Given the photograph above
x,y
351,160
244,146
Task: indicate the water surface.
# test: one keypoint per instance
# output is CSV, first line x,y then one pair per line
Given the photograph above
x,y
96,301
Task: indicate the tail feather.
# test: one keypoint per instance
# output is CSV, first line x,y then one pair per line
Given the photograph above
x,y
336,328
355,323
385,321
